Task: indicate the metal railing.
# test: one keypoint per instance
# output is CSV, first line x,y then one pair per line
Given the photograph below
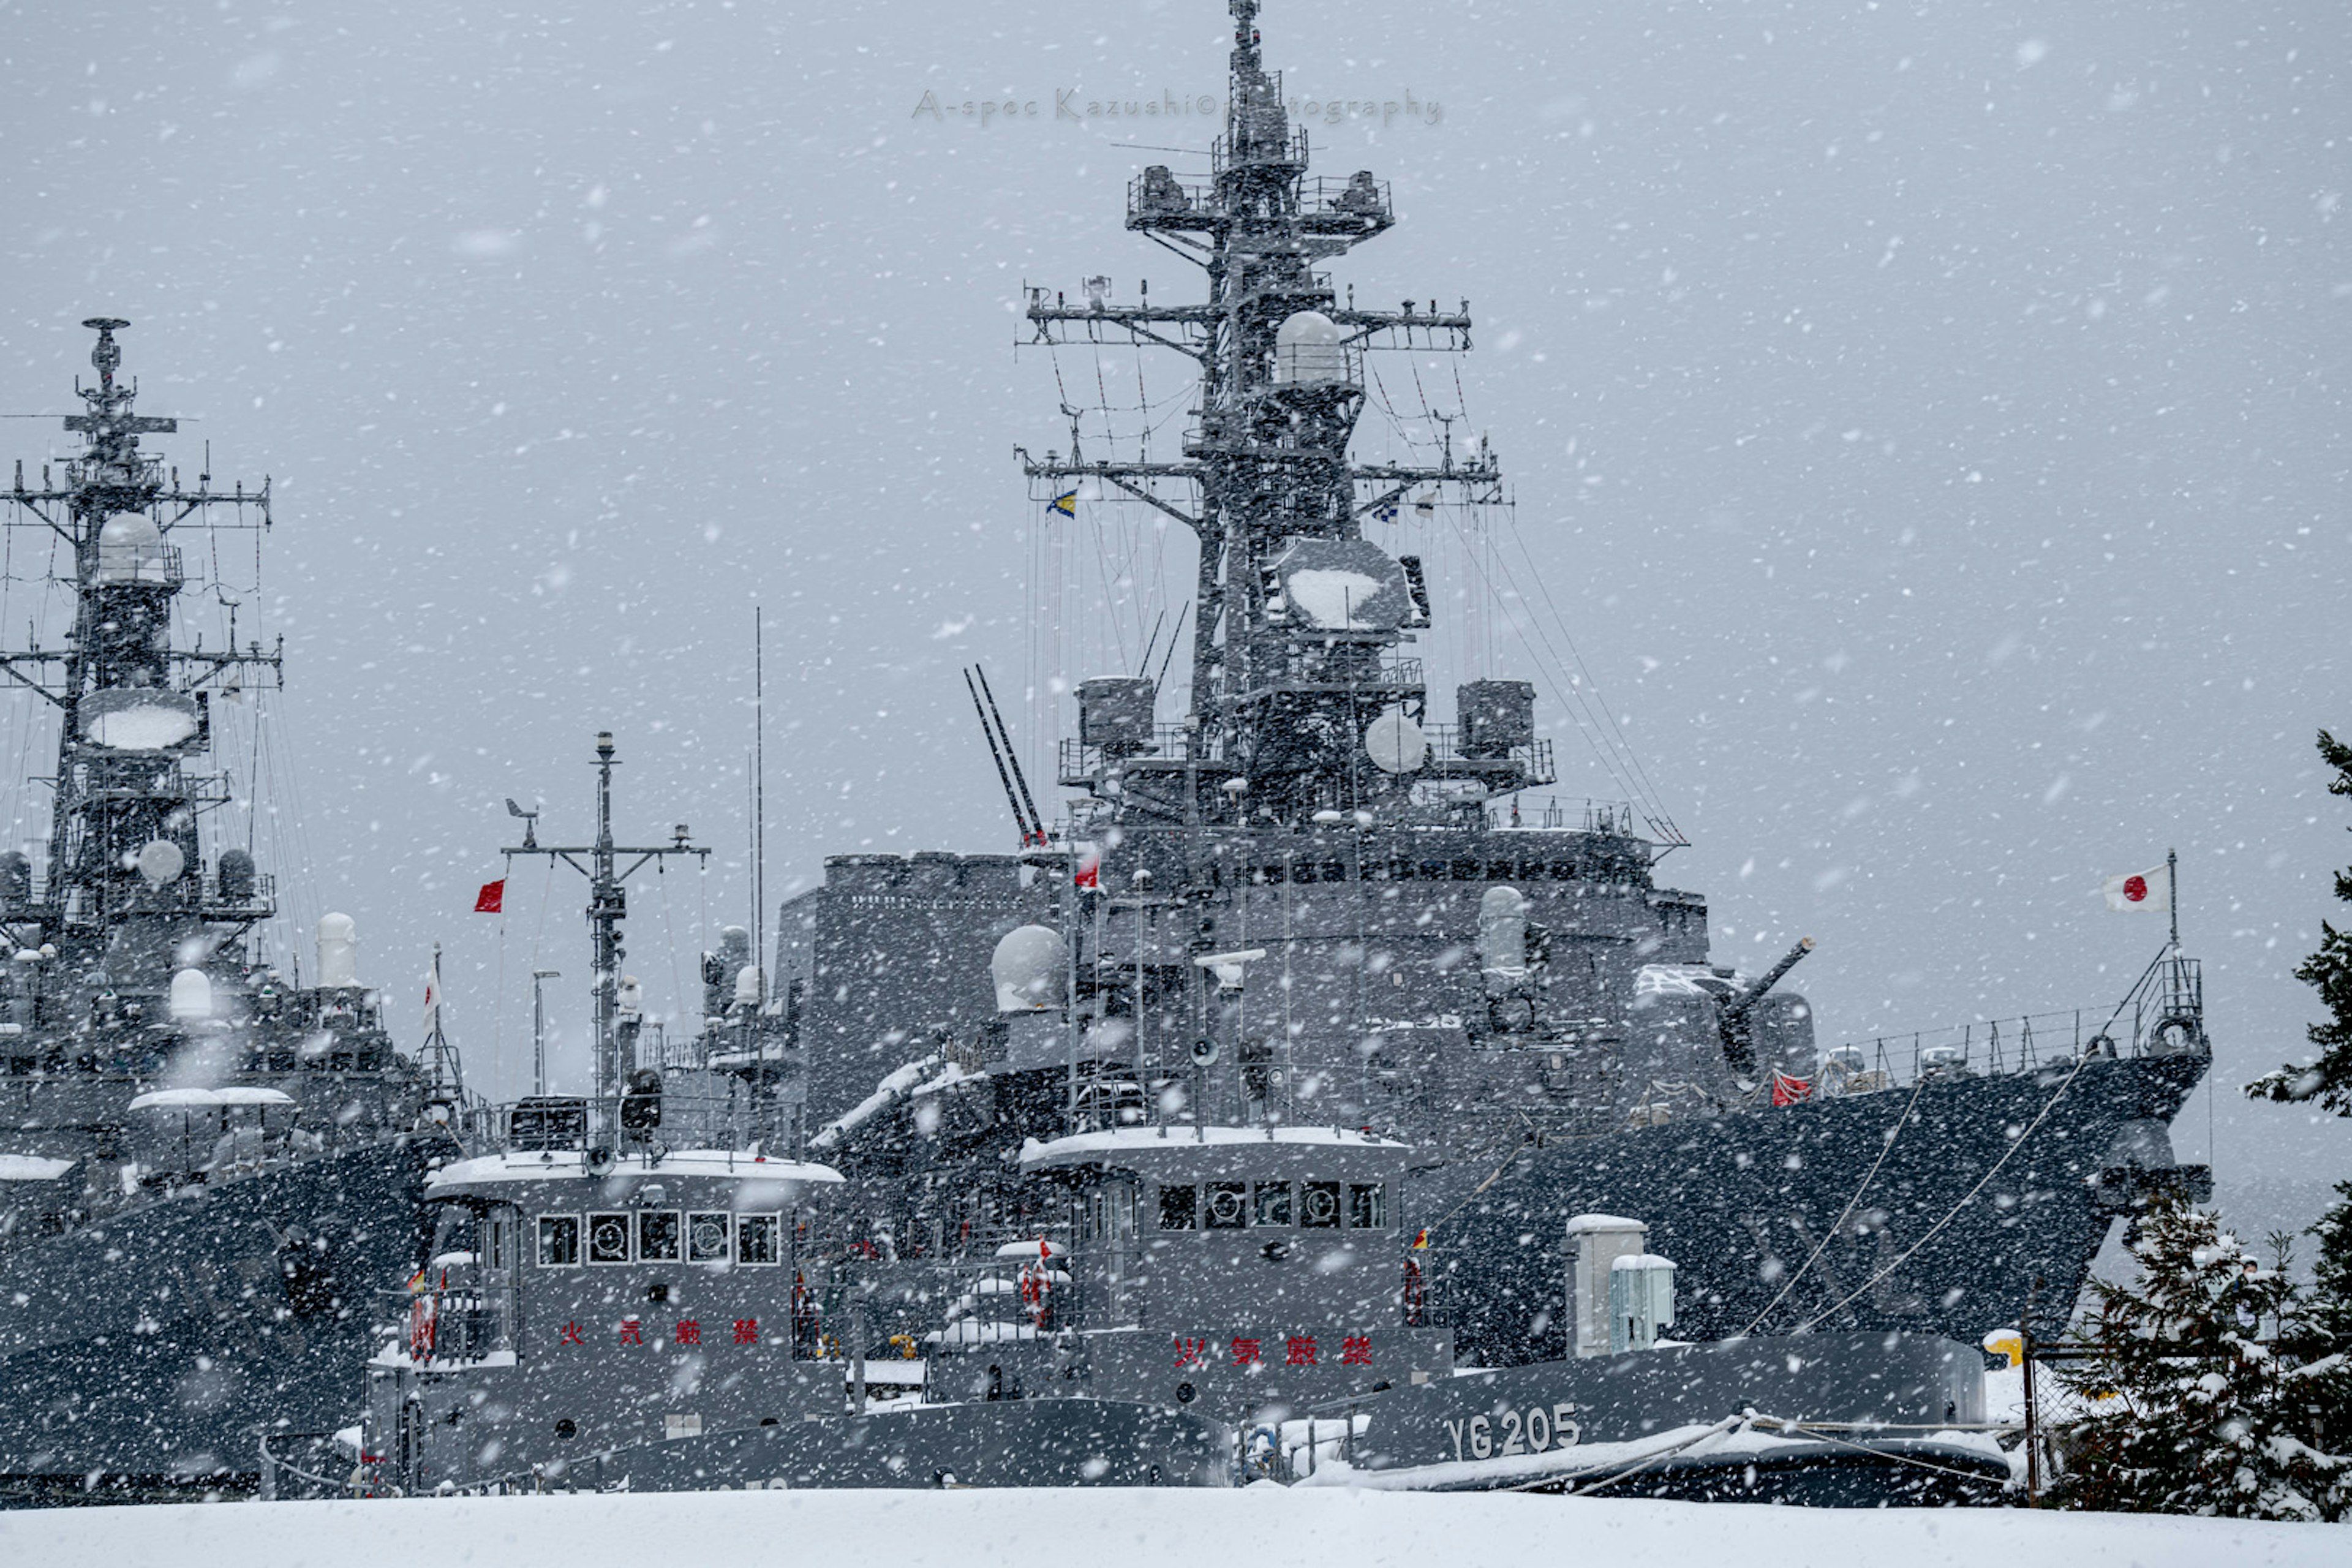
x,y
687,1121
2165,1009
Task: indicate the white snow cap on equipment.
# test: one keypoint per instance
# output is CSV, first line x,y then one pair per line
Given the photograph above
x,y
2140,890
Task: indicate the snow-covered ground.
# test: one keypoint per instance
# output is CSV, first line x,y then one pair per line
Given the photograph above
x,y
1131,1528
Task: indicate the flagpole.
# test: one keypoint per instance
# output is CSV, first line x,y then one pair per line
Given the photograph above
x,y
2173,899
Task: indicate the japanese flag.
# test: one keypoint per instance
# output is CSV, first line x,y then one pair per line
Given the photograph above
x,y
2140,890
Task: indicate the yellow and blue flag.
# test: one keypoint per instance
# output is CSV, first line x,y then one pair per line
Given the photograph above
x,y
1066,503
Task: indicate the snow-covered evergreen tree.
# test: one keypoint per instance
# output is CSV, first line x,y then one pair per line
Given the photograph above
x,y
2194,1408
2327,1080
2325,1329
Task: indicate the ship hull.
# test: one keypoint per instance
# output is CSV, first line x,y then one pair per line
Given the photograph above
x,y
146,1355
1937,1241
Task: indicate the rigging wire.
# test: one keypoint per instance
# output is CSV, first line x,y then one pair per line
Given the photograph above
x,y
1966,1198
1632,756
1884,1149
1579,708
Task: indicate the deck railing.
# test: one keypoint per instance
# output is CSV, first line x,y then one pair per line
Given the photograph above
x,y
2163,1013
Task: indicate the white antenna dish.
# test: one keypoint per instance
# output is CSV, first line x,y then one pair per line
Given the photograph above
x,y
1395,744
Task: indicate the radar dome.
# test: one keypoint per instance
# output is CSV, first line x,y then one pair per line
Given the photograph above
x,y
159,862
1395,743
1309,350
131,549
1028,966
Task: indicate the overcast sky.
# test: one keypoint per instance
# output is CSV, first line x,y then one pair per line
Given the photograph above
x,y
1927,419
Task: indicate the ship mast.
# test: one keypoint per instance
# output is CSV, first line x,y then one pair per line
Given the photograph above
x,y
1283,688
608,906
126,884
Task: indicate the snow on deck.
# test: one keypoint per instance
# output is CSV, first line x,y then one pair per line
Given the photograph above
x,y
1123,1140
557,1163
32,1168
1139,1529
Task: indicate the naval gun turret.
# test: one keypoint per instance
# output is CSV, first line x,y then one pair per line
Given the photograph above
x,y
1735,1014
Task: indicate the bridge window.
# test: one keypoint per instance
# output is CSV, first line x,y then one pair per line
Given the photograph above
x,y
1176,1207
1270,1204
608,1239
1228,1205
657,1236
1366,1209
559,1241
706,1237
1318,1206
758,1239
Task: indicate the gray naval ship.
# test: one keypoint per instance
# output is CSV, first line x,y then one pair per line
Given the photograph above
x,y
208,1160
1306,899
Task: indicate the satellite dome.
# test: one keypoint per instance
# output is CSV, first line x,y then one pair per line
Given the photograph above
x,y
192,995
1028,966
159,862
131,549
339,951
1309,350
1395,743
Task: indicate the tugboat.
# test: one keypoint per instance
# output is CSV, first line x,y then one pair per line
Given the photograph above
x,y
208,1160
1231,1303
1303,899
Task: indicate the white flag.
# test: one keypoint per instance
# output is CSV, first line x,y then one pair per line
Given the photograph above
x,y
2140,890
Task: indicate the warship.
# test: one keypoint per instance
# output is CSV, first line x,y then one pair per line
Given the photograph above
x,y
1285,892
209,1160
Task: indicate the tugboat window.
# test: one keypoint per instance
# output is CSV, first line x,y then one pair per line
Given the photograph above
x,y
1365,1209
657,1236
1228,1205
1176,1207
706,1238
1318,1206
755,1239
1272,1204
558,1240
608,1239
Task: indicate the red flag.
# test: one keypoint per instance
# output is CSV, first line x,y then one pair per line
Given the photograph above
x,y
492,899
1089,871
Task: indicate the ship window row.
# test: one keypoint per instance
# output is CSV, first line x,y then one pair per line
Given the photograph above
x,y
1243,1205
1402,869
660,1236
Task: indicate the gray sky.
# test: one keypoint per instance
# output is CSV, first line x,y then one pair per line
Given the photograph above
x,y
1928,419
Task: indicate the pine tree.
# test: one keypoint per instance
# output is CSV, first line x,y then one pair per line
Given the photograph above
x,y
2327,1080
2194,1409
2325,1329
